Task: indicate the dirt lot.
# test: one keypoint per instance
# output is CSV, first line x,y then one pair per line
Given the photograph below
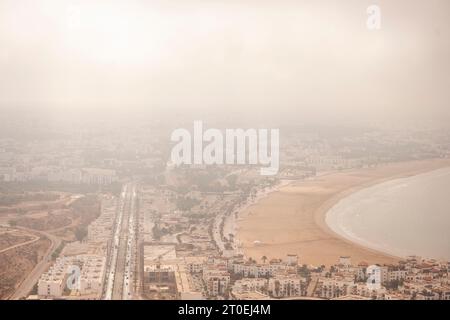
x,y
31,219
15,264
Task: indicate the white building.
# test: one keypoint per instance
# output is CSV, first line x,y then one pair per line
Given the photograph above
x,y
287,286
330,288
98,176
257,270
292,259
250,284
217,281
92,275
363,290
345,261
195,264
75,176
86,274
52,283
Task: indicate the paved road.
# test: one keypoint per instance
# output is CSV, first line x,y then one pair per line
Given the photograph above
x,y
131,251
112,257
123,253
216,231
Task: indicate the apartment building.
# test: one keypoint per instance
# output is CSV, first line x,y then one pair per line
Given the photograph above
x,y
53,282
345,261
363,290
93,176
283,286
100,230
195,264
86,274
246,269
217,281
92,275
291,259
332,288
98,176
250,284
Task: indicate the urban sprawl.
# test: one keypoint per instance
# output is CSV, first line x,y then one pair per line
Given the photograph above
x,y
103,214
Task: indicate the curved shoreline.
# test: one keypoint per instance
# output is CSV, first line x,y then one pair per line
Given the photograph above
x,y
340,229
321,216
309,235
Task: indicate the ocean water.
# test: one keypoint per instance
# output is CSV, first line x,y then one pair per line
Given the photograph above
x,y
401,217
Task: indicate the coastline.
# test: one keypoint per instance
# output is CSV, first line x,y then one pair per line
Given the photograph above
x,y
292,220
230,225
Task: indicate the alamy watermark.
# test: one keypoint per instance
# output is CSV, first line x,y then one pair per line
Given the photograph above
x,y
373,17
236,146
373,273
73,278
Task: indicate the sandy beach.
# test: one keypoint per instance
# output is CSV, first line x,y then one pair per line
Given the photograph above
x,y
292,219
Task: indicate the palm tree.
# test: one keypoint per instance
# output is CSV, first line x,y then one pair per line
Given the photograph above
x,y
264,259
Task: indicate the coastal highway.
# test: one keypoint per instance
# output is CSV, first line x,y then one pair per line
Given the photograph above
x,y
216,232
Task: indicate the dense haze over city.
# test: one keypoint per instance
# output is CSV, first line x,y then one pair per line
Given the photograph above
x,y
136,161
286,61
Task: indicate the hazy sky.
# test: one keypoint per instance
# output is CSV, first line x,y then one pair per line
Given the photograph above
x,y
278,59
